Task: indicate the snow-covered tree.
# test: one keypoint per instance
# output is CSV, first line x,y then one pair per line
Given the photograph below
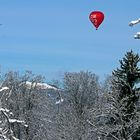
x,y
126,94
119,117
29,101
81,94
7,118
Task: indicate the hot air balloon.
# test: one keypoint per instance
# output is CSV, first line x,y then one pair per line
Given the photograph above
x,y
96,17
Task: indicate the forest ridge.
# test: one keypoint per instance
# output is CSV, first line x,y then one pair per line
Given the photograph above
x,y
81,109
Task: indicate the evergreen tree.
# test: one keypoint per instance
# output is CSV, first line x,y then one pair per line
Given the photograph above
x,y
125,92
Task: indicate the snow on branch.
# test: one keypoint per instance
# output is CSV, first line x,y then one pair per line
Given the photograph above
x,y
137,35
3,89
59,101
6,131
5,111
132,23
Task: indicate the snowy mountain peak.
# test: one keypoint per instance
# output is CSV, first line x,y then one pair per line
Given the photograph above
x,y
40,85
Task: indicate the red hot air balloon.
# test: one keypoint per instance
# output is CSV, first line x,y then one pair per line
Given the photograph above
x,y
96,17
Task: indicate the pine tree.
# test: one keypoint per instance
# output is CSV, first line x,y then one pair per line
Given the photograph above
x,y
125,87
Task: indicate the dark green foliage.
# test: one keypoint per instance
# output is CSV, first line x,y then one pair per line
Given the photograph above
x,y
125,79
126,89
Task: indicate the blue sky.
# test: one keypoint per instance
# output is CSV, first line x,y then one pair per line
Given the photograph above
x,y
50,37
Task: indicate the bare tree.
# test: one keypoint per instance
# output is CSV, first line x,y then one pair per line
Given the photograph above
x,y
81,91
29,101
7,117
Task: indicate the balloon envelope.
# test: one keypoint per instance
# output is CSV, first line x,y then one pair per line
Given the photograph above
x,y
96,17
